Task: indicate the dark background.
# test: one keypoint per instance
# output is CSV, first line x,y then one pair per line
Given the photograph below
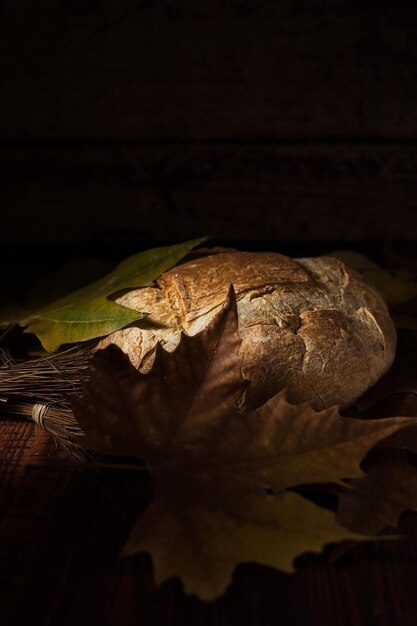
x,y
134,121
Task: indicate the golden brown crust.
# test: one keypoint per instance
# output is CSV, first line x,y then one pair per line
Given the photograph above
x,y
202,285
139,340
309,325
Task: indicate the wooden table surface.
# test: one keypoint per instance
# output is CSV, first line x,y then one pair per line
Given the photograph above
x,y
61,528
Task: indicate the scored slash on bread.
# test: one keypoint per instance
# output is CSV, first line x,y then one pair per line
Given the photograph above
x,y
309,325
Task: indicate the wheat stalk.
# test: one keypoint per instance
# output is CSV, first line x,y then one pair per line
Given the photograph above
x,y
40,390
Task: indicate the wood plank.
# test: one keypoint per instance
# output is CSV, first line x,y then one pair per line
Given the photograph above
x,y
291,69
126,192
60,532
63,527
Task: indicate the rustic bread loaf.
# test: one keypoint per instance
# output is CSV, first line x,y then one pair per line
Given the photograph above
x,y
309,325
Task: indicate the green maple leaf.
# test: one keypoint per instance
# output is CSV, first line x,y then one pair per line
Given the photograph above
x,y
87,313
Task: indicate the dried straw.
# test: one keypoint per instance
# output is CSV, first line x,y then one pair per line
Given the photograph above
x,y
5,357
47,378
40,390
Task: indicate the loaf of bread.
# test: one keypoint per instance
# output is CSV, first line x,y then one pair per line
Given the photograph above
x,y
309,325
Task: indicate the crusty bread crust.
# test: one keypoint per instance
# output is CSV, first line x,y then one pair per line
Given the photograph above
x,y
310,325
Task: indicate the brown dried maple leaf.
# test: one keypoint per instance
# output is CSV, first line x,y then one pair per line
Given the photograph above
x,y
377,500
212,463
401,379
